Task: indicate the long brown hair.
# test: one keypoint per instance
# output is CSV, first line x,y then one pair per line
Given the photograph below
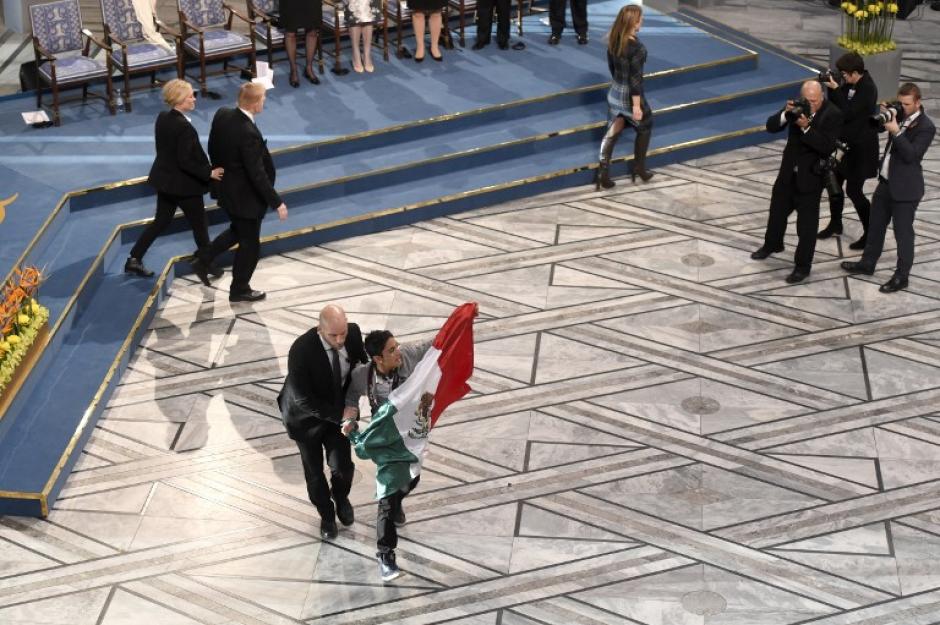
x,y
624,29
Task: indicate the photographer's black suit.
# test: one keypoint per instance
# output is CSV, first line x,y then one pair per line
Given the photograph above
x,y
245,193
858,133
897,195
800,182
312,408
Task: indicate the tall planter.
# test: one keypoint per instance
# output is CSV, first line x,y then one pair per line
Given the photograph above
x,y
884,68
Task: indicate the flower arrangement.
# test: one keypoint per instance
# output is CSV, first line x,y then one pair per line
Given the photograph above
x,y
21,319
868,28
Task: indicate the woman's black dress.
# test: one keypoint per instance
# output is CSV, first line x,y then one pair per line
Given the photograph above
x,y
303,15
426,6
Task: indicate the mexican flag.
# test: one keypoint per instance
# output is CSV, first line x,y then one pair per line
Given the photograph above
x,y
397,437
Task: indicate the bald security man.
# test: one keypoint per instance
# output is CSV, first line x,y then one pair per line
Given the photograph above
x,y
311,401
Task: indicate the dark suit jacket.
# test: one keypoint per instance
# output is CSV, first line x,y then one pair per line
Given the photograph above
x,y
181,166
308,392
247,187
905,176
858,133
803,150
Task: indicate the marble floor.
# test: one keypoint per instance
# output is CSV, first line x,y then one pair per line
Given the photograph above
x,y
661,432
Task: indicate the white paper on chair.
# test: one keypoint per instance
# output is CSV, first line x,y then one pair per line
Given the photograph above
x,y
265,75
35,117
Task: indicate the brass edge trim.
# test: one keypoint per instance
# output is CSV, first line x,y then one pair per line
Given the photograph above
x,y
766,46
158,284
726,97
15,494
70,447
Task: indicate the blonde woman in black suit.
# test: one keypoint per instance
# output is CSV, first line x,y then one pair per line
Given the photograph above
x,y
180,174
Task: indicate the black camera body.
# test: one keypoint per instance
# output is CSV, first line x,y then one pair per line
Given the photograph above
x,y
829,166
827,74
890,111
800,107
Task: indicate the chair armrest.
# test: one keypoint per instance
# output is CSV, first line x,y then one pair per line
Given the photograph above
x,y
190,25
264,17
234,12
91,38
161,26
42,51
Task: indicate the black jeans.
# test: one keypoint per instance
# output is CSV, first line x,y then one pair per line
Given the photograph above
x,y
193,209
853,189
312,442
784,200
884,210
386,534
247,233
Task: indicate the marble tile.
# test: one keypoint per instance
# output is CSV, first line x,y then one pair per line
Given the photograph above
x,y
840,370
560,358
869,539
126,608
80,608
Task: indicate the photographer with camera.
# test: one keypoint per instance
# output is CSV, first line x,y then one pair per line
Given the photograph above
x,y
814,126
900,185
857,98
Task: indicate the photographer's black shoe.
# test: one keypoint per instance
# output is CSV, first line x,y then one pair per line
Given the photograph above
x,y
896,283
853,267
798,275
554,39
828,231
860,244
763,252
345,513
135,267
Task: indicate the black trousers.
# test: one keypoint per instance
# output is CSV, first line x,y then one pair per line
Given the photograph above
x,y
854,190
193,209
784,200
901,215
386,534
312,442
556,16
485,20
247,233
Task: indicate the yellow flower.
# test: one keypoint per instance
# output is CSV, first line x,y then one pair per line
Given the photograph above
x,y
892,8
34,307
13,339
4,346
22,319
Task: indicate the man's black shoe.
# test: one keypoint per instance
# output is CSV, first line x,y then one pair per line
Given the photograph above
x,y
554,39
896,283
345,513
582,39
135,267
327,529
763,252
860,244
503,45
853,267
201,270
798,275
247,296
481,43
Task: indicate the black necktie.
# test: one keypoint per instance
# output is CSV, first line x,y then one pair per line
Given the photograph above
x,y
337,373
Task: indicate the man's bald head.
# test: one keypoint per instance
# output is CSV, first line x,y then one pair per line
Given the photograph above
x,y
333,325
812,91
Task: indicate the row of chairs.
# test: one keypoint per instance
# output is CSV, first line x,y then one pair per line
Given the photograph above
x,y
63,46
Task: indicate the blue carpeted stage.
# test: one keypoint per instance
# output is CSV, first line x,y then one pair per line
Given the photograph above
x,y
356,154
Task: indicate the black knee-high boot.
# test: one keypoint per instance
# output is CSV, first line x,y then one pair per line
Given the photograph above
x,y
602,179
640,147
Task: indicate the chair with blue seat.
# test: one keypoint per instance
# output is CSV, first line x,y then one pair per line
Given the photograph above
x,y
132,52
62,48
265,15
208,36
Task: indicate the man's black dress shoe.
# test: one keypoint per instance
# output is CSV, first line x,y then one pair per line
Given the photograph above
x,y
798,275
136,268
829,230
582,39
327,529
215,271
896,283
554,39
247,296
345,513
855,267
860,244
503,45
481,43
763,252
201,270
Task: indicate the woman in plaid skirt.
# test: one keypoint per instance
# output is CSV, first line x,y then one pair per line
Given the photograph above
x,y
626,103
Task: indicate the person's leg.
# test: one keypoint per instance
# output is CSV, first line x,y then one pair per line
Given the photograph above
x,y
877,226
854,188
503,18
781,205
166,207
310,49
194,210
606,153
290,44
836,203
339,459
247,232
902,217
579,16
807,223
434,25
309,443
417,22
355,34
484,23
367,47
556,16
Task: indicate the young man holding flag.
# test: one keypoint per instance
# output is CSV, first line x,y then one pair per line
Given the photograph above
x,y
408,388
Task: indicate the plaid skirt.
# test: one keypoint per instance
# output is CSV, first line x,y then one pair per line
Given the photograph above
x,y
620,104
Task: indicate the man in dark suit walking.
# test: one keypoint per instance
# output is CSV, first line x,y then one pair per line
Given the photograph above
x,y
245,193
311,401
799,185
900,189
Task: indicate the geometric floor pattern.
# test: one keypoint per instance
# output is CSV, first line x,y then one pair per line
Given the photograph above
x,y
661,431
